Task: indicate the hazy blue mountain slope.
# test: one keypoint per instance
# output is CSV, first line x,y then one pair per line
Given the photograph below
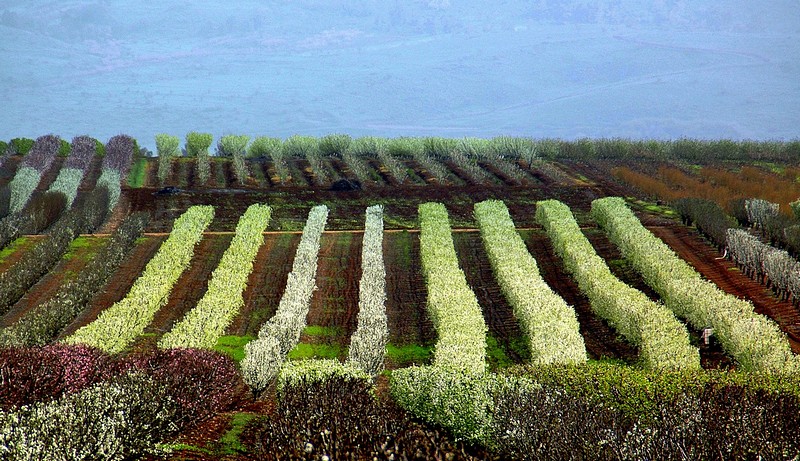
x,y
455,68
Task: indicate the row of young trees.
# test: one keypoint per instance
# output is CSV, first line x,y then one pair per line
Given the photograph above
x,y
33,166
455,391
662,340
206,322
41,325
37,262
368,342
116,327
550,325
281,333
452,305
753,340
429,153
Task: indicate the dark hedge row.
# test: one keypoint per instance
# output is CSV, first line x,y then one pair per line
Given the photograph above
x,y
84,217
342,419
84,149
203,382
43,323
42,153
709,218
611,412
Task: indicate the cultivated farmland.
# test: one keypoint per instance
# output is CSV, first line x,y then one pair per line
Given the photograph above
x,y
408,298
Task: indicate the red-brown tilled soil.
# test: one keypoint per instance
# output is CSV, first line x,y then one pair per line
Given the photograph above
x,y
334,304
68,268
266,283
187,291
120,282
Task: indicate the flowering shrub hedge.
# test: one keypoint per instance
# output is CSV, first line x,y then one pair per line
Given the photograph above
x,y
753,340
550,325
662,340
42,324
265,354
120,324
368,343
120,419
452,305
204,324
110,408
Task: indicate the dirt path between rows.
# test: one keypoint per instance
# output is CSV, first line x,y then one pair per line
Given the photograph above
x,y
498,314
406,295
711,355
266,283
601,340
120,283
187,291
334,305
707,261
66,269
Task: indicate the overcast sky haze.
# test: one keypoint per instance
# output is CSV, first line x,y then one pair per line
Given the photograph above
x,y
568,69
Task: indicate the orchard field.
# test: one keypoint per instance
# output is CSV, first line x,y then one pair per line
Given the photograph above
x,y
408,298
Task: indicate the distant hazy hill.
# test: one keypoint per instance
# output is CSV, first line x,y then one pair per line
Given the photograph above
x,y
398,67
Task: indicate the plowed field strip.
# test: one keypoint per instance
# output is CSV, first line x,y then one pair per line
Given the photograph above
x,y
408,320
601,340
266,283
711,355
498,314
119,284
188,290
334,305
705,259
68,268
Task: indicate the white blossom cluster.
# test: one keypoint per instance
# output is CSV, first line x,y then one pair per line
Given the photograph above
x,y
22,186
452,305
753,340
662,340
310,371
760,259
116,327
550,325
265,354
368,343
116,420
203,325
